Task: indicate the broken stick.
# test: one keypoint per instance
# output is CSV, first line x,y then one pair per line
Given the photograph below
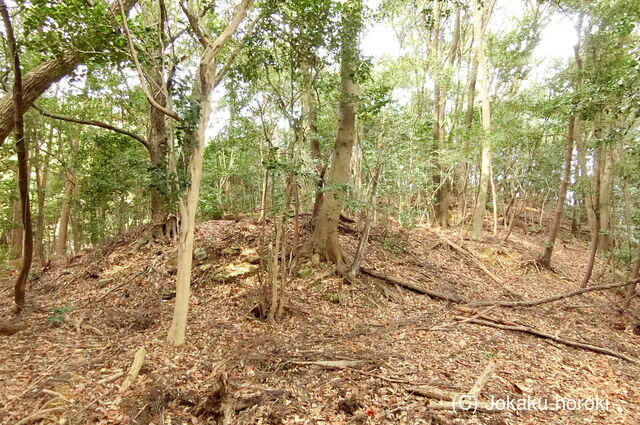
x,y
134,370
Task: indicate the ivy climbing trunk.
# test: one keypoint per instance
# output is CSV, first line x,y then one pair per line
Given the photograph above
x,y
324,240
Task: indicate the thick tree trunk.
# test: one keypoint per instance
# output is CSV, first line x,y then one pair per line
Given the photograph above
x,y
310,116
40,78
158,144
439,178
325,235
562,195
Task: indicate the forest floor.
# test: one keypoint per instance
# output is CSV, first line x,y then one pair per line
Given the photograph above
x,y
343,354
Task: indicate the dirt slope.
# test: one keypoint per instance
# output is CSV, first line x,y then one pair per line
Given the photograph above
x,y
68,365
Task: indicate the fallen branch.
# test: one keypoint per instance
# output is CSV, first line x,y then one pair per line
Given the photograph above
x,y
414,287
138,361
7,328
335,364
482,380
451,400
551,299
467,254
595,348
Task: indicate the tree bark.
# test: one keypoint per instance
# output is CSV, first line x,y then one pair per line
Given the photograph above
x,y
562,195
202,94
65,214
23,161
325,235
485,160
595,236
42,180
631,289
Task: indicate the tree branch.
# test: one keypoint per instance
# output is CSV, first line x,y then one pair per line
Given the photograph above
x,y
134,57
95,124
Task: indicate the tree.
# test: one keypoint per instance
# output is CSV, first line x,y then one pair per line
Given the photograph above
x,y
205,81
51,70
23,161
479,14
324,239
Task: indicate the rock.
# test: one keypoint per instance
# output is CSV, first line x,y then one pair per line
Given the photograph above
x,y
304,273
205,267
251,255
200,254
232,250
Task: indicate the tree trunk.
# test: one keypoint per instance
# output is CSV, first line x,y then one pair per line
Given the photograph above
x,y
23,161
42,179
485,161
595,236
631,289
17,233
310,115
40,78
562,195
202,94
606,188
65,214
325,235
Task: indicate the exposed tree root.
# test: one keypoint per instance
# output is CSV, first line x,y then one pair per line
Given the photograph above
x,y
412,286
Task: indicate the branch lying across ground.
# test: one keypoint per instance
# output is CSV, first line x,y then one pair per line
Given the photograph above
x,y
552,298
467,254
412,286
495,323
453,401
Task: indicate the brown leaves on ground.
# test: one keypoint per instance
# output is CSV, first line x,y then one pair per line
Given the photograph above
x,y
87,319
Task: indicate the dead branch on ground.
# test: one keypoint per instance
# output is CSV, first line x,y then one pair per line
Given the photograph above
x,y
558,297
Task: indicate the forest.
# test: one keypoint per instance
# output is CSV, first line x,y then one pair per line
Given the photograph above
x,y
320,212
